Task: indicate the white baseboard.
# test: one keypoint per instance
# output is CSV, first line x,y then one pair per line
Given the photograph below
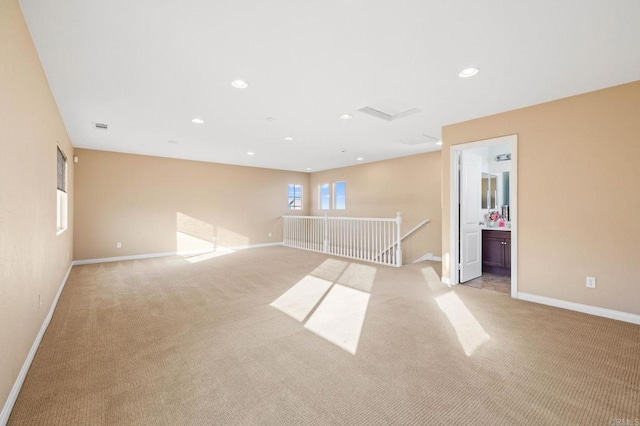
x,y
428,256
251,246
578,307
169,253
446,280
13,395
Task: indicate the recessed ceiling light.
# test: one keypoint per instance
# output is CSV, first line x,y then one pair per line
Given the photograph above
x,y
359,158
288,138
270,118
439,143
308,168
239,84
197,121
173,142
346,117
250,153
468,72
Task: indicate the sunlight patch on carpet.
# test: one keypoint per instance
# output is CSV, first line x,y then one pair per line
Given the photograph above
x,y
300,299
333,299
358,276
432,279
470,333
340,317
330,269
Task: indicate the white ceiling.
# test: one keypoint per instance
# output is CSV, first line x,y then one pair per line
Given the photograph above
x,y
147,67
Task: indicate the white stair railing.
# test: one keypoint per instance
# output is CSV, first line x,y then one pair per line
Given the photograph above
x,y
376,240
411,231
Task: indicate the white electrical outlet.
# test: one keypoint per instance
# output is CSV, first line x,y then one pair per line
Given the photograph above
x,y
591,282
269,233
118,244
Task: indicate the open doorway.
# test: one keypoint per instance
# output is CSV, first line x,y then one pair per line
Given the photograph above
x,y
484,207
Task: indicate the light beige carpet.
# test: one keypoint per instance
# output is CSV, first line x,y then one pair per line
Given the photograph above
x,y
169,342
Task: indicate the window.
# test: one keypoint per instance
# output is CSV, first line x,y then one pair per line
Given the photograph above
x,y
324,190
340,195
295,197
62,209
333,196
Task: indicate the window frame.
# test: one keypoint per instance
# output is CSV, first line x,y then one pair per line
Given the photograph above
x,y
293,200
335,195
62,199
320,188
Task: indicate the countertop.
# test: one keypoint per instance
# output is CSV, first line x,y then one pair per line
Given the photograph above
x,y
495,228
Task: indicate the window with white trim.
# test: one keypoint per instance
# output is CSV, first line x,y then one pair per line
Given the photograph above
x,y
340,195
61,196
295,197
324,196
332,196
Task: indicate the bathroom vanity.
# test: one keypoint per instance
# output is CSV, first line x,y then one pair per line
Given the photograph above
x,y
496,251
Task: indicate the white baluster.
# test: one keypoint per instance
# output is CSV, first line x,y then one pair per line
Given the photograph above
x,y
399,240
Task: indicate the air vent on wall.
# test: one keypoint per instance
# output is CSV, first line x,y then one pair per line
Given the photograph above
x,y
101,126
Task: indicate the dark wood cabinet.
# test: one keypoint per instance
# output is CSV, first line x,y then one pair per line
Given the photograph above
x,y
496,252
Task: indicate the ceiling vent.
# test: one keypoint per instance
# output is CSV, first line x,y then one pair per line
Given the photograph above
x,y
101,126
419,140
390,109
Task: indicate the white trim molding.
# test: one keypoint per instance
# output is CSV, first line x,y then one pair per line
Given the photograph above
x,y
15,390
452,258
169,253
578,307
428,256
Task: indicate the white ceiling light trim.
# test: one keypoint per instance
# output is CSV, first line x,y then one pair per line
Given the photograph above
x,y
251,153
239,84
346,117
468,72
288,138
197,121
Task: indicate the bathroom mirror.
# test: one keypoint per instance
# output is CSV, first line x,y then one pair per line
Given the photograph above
x,y
489,191
495,190
503,196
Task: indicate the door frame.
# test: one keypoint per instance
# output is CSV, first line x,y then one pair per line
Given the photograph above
x,y
454,214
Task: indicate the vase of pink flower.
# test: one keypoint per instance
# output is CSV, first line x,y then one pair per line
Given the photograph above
x,y
493,217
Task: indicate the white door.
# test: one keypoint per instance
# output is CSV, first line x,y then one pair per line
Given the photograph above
x,y
470,208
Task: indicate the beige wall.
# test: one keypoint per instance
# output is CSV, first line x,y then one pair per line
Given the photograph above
x,y
410,185
160,205
578,194
33,260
